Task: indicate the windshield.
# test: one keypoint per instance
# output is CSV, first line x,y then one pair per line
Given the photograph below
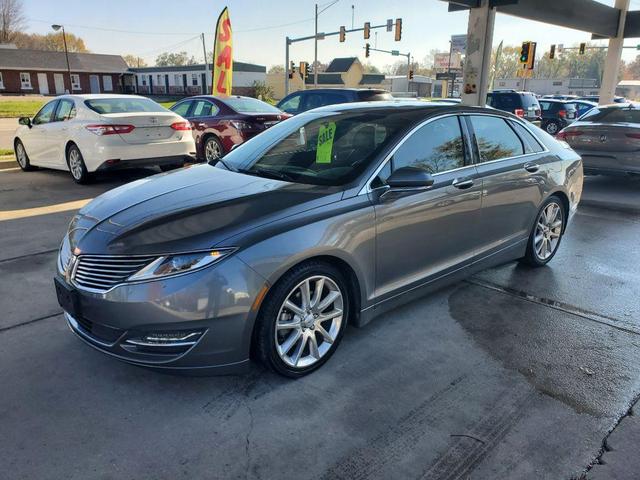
x,y
123,105
250,105
612,115
320,149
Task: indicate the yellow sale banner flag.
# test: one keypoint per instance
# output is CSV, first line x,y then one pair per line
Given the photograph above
x,y
223,56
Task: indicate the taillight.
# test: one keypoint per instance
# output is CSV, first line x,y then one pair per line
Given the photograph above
x,y
538,112
181,126
519,112
567,134
562,113
633,135
240,125
109,129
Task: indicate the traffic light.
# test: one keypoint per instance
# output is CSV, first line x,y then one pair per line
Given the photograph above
x,y
304,70
367,30
343,33
582,48
366,50
524,52
292,69
398,33
552,52
410,74
531,58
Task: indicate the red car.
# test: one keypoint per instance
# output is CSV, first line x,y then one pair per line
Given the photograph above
x,y
220,123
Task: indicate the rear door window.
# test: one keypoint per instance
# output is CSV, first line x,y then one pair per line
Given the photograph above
x,y
182,108
495,139
531,144
203,108
66,110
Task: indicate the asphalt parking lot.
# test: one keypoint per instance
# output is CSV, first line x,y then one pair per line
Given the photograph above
x,y
515,373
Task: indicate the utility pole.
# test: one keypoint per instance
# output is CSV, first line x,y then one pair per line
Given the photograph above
x,y
286,67
315,53
66,52
206,67
353,13
449,82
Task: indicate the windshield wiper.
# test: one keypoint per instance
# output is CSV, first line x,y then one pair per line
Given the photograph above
x,y
224,164
265,172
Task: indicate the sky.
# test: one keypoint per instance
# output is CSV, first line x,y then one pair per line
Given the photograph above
x,y
146,28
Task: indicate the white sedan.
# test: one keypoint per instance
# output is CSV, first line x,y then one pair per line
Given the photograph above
x,y
86,133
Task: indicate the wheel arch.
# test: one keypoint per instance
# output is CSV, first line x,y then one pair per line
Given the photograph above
x,y
564,198
353,283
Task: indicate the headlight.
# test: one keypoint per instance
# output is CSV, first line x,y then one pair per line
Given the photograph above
x,y
181,263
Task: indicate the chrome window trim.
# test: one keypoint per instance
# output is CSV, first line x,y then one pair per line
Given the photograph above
x,y
367,186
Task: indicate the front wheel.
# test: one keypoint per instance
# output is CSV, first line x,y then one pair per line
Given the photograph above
x,y
21,157
303,319
552,127
546,235
212,149
76,165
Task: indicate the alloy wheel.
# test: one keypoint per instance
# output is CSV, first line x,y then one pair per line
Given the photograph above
x,y
21,155
75,164
552,128
309,321
212,150
548,231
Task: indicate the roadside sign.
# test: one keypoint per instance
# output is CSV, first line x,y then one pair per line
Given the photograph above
x,y
446,76
459,43
395,53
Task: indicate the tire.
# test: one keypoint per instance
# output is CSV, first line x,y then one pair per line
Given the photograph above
x,y
290,351
546,234
21,157
212,149
552,127
77,167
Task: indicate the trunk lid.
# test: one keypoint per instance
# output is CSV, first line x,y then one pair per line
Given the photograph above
x,y
603,137
150,127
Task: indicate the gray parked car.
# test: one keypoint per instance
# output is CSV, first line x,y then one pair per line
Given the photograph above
x,y
327,219
608,139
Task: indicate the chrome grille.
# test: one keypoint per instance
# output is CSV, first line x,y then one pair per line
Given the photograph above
x,y
101,272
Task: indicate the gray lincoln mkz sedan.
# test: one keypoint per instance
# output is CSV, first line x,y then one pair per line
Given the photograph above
x,y
329,218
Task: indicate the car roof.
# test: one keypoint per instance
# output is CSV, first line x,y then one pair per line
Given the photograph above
x,y
392,106
97,96
557,100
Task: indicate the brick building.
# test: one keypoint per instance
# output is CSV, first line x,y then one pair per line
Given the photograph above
x,y
45,72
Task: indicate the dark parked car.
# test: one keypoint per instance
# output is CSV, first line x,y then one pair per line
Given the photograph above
x,y
557,114
304,100
219,123
329,218
607,139
522,104
559,96
596,99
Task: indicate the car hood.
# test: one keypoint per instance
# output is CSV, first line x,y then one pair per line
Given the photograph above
x,y
191,209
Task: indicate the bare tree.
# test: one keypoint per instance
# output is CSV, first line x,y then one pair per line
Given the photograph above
x,y
12,19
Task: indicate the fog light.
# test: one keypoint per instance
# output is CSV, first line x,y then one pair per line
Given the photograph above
x,y
180,338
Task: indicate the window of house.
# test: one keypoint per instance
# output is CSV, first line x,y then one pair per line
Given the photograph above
x,y
107,83
556,84
435,147
159,79
194,79
1,82
143,78
25,80
177,80
495,138
75,82
502,84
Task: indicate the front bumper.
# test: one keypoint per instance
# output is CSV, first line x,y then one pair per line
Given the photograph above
x,y
219,302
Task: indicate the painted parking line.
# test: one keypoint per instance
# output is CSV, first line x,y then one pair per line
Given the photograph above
x,y
11,169
36,211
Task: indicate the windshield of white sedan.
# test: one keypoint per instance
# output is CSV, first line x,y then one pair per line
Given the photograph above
x,y
332,150
123,105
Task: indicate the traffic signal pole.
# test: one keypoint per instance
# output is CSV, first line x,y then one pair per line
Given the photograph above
x,y
395,53
318,36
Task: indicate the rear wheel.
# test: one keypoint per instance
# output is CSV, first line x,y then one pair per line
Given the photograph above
x,y
303,319
547,232
21,157
552,127
76,165
212,149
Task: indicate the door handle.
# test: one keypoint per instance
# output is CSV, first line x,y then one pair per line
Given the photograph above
x,y
201,125
462,183
531,167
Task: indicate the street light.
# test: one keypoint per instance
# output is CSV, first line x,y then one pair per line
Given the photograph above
x,y
57,27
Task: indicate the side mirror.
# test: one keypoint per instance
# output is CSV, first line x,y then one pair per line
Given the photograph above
x,y
25,121
408,178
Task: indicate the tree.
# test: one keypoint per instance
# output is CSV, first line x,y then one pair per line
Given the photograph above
x,y
134,61
50,41
167,59
12,19
276,69
263,91
632,71
369,68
